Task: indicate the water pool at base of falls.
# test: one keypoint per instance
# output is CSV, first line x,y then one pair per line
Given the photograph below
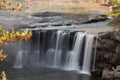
x,y
44,74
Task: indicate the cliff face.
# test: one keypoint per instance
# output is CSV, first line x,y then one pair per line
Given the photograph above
x,y
109,47
108,53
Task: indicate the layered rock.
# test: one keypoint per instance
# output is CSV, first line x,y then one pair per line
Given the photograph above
x,y
108,54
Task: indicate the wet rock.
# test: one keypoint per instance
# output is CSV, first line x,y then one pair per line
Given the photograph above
x,y
76,18
107,74
38,25
115,59
118,68
44,26
96,73
117,74
96,18
57,25
108,55
112,75
106,43
68,24
115,36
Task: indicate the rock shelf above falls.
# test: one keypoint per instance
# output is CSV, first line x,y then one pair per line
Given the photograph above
x,y
88,22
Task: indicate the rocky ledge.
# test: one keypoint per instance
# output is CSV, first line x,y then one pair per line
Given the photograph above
x,y
88,17
108,55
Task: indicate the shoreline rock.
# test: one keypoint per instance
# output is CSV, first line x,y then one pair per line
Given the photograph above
x,y
108,55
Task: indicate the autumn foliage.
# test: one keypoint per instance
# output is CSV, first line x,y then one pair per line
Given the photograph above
x,y
12,36
6,5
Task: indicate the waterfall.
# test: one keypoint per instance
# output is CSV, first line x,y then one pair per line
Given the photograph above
x,y
72,60
18,63
61,49
21,59
57,57
87,54
50,51
36,53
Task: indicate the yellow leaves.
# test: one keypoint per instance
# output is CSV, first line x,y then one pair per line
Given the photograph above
x,y
18,34
3,75
30,34
26,35
4,4
4,1
12,35
2,56
19,6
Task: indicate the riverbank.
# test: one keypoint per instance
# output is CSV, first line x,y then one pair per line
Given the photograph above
x,y
64,6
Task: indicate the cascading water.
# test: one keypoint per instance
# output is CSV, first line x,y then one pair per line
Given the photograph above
x,y
87,54
73,57
18,62
36,53
57,54
59,49
55,51
50,51
21,59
